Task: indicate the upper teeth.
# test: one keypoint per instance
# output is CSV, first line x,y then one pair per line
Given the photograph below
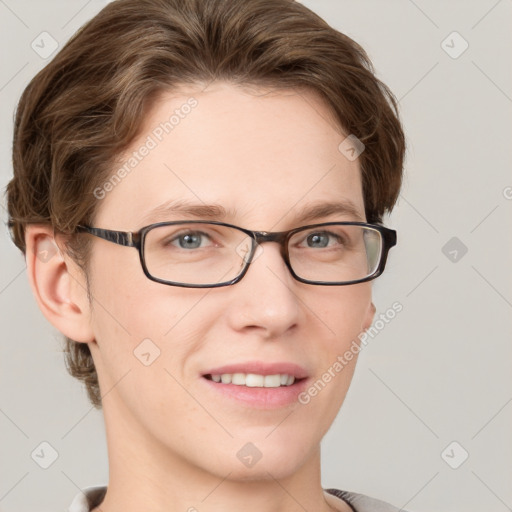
x,y
255,380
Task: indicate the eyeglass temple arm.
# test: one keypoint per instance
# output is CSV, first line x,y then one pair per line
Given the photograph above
x,y
126,238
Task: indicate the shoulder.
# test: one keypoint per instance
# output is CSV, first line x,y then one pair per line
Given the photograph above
x,y
363,503
91,497
88,498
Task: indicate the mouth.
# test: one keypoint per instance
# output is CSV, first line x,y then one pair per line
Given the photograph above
x,y
254,380
257,385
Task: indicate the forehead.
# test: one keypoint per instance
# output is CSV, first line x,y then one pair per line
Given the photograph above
x,y
262,156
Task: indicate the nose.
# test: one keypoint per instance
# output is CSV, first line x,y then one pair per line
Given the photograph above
x,y
265,300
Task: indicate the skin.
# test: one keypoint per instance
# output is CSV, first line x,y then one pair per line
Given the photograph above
x,y
172,442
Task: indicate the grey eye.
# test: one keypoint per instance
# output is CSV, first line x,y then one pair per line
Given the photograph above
x,y
318,240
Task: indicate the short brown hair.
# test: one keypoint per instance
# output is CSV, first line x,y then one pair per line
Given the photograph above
x,y
84,108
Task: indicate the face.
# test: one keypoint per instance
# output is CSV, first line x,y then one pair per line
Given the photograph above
x,y
265,158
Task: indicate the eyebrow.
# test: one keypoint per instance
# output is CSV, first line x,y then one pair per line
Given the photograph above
x,y
315,211
187,209
310,212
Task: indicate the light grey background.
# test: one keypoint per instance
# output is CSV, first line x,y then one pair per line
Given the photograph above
x,y
438,373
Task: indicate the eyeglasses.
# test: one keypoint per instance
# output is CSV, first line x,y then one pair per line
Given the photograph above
x,y
203,254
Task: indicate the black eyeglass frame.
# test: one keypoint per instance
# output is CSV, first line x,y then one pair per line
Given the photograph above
x,y
136,239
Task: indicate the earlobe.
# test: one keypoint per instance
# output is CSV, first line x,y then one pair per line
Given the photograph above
x,y
369,316
58,287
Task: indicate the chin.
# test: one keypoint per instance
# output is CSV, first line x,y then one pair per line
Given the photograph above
x,y
267,459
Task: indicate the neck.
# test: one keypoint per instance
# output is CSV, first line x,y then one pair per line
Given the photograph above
x,y
144,474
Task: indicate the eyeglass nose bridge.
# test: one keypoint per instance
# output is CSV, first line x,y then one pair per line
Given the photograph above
x,y
269,236
259,237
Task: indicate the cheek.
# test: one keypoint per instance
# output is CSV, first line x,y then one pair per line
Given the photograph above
x,y
350,319
138,322
124,312
127,305
342,314
344,311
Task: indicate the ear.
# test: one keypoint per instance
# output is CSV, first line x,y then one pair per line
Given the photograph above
x,y
370,313
58,284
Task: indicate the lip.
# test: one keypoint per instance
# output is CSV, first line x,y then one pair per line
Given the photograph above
x,y
258,397
260,368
